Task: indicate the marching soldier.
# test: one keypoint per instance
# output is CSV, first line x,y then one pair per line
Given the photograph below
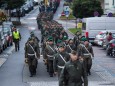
x,y
50,51
64,34
74,73
85,55
31,51
71,46
36,40
60,59
89,55
76,39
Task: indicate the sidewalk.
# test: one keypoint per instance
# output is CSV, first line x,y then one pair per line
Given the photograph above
x,y
4,55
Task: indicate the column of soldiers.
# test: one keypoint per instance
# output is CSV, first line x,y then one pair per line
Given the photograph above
x,y
70,59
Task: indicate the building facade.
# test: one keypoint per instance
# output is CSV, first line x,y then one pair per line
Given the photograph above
x,y
108,6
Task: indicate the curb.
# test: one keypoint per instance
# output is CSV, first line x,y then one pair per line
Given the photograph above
x,y
2,61
66,19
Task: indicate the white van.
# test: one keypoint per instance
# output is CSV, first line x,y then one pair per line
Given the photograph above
x,y
92,26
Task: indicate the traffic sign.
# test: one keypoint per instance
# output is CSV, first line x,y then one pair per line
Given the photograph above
x,y
66,8
96,13
66,12
110,15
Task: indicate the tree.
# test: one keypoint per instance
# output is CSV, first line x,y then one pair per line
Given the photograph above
x,y
2,3
14,4
86,8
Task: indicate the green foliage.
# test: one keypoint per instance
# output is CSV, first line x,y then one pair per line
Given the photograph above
x,y
86,8
74,30
12,4
1,3
69,17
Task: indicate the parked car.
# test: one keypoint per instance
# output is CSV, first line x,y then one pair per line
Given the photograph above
x,y
111,48
99,38
22,12
8,35
3,40
13,13
104,40
7,31
35,2
26,9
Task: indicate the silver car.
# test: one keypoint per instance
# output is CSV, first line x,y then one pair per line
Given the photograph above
x,y
99,38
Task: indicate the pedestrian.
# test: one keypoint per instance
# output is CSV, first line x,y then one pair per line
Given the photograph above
x,y
73,73
16,38
60,59
31,51
110,37
50,51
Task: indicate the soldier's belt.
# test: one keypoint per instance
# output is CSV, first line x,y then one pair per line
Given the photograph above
x,y
30,54
60,67
50,55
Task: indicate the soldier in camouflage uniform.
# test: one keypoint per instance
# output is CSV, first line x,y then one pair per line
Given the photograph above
x,y
50,51
74,73
60,59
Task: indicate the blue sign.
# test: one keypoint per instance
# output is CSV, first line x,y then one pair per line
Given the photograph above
x,y
96,13
66,12
110,15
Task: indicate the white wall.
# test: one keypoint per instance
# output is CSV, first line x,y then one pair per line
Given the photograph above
x,y
109,6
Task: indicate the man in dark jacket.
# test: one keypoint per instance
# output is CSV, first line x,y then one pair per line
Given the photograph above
x,y
73,73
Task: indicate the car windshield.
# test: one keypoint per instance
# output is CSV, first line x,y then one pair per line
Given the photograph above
x,y
113,35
